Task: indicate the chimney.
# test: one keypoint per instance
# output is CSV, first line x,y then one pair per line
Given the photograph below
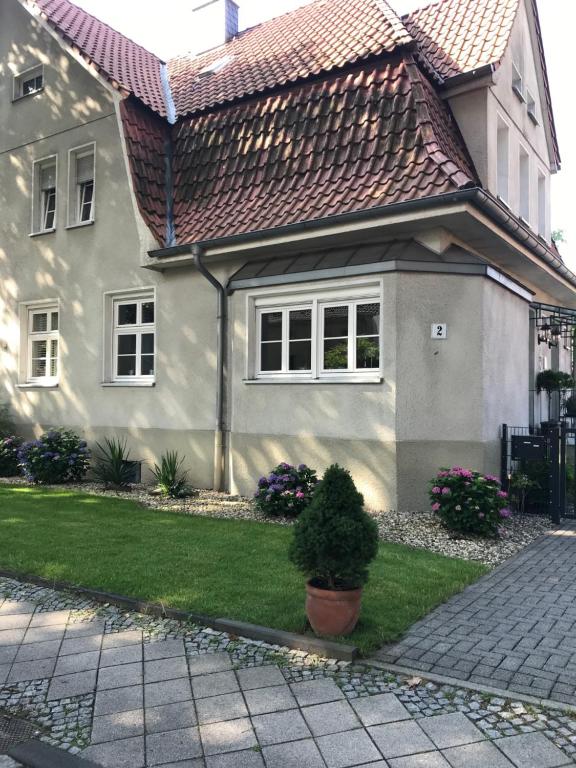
x,y
214,22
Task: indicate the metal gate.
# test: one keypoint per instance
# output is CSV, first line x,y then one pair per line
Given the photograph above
x,y
538,468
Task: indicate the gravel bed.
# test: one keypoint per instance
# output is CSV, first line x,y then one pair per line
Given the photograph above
x,y
66,723
422,530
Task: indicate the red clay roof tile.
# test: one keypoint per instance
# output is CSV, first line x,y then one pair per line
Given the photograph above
x,y
319,37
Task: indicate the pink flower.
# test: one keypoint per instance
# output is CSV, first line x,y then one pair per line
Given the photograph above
x,y
299,495
502,495
481,515
436,489
492,479
435,507
446,491
505,513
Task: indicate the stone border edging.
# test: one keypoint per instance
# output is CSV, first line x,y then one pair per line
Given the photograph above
x,y
38,754
327,648
501,693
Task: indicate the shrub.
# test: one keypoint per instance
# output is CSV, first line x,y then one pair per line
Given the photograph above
x,y
171,480
469,502
113,466
335,539
58,456
9,447
6,423
286,491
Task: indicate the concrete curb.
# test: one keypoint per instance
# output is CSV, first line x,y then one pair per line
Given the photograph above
x,y
37,754
454,681
327,648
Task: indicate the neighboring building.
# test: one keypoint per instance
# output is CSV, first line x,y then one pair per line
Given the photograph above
x,y
372,194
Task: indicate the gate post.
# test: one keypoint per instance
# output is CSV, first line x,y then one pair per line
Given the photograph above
x,y
554,437
504,458
562,469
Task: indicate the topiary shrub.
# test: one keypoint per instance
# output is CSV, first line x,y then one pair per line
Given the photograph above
x,y
9,462
469,502
286,491
334,538
58,456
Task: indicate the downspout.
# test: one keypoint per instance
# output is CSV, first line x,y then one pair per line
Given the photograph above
x,y
219,448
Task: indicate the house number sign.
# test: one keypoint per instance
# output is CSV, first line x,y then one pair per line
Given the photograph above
x,y
439,331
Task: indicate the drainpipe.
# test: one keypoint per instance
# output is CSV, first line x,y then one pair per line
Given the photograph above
x,y
221,331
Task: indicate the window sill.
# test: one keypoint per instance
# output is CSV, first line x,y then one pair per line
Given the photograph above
x,y
42,232
37,385
27,95
81,224
128,384
374,379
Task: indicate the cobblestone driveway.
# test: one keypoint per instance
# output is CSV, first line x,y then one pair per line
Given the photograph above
x,y
514,629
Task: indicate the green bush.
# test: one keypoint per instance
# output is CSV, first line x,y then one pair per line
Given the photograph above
x,y
469,502
171,480
334,538
9,461
287,490
6,423
113,466
58,456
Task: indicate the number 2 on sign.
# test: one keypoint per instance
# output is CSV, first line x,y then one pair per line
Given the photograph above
x,y
439,331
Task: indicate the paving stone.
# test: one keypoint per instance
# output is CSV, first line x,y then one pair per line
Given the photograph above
x,y
400,739
295,754
264,700
36,651
167,692
4,672
208,663
79,662
72,685
170,717
31,670
11,607
215,709
246,759
49,618
214,684
165,669
334,717
120,676
119,639
450,730
126,654
426,760
351,748
15,621
384,708
481,755
120,725
260,677
84,629
532,750
11,637
126,753
229,736
316,692
119,700
163,649
9,653
182,744
80,645
42,634
278,727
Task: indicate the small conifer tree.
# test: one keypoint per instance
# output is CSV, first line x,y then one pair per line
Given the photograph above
x,y
334,538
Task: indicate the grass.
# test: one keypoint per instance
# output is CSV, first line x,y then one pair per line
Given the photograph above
x,y
236,569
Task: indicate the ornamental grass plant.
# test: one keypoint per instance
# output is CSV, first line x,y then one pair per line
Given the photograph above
x,y
470,502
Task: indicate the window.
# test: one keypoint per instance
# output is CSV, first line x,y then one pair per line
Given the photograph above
x,y
502,160
43,345
542,205
44,196
531,108
524,185
517,81
29,82
81,186
134,344
321,337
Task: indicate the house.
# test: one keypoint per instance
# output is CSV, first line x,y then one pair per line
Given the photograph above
x,y
327,238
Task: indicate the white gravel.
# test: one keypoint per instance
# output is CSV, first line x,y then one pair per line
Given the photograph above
x,y
422,530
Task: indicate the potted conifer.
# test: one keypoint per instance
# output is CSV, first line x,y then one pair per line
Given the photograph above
x,y
334,542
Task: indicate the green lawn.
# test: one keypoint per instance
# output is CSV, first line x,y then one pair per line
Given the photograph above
x,y
229,568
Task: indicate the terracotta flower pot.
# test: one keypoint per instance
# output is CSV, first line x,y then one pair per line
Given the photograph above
x,y
332,612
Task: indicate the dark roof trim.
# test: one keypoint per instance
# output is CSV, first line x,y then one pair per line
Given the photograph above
x,y
476,196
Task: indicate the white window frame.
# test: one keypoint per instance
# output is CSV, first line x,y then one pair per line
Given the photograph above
x,y
524,195
531,107
542,203
28,310
112,300
75,189
27,74
518,82
502,127
38,200
316,298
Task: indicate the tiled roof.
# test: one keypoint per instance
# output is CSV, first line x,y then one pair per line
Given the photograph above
x,y
369,137
458,36
117,58
319,37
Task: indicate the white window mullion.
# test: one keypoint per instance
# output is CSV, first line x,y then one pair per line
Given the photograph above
x,y
285,339
316,344
352,336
